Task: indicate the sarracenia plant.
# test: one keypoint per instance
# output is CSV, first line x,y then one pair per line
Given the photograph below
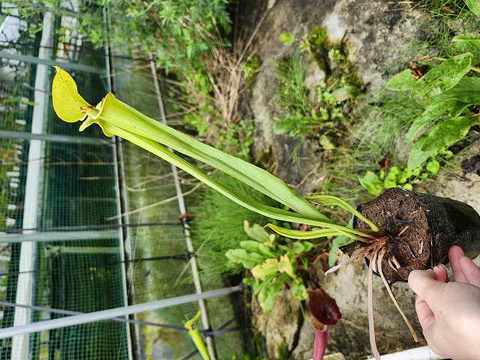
x,y
116,118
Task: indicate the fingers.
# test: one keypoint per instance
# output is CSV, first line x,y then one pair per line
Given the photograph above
x,y
455,254
441,273
425,285
424,313
470,271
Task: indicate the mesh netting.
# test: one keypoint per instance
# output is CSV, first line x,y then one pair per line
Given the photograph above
x,y
79,196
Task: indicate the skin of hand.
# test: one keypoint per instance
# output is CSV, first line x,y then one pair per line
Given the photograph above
x,y
449,312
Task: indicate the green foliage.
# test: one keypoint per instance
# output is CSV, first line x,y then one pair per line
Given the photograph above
x,y
320,112
440,138
447,18
219,227
474,6
376,183
446,116
273,265
286,38
315,40
251,67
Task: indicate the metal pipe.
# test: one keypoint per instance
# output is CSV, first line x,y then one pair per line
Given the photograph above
x,y
50,310
122,197
4,134
112,313
39,61
33,194
41,237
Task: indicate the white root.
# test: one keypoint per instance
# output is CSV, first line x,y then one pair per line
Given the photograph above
x,y
395,262
389,290
371,323
403,231
389,262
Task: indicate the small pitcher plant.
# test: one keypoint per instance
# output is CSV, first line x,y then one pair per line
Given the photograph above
x,y
116,118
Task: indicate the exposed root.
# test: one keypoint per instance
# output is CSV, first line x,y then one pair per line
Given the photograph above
x,y
395,262
403,230
371,323
389,290
392,266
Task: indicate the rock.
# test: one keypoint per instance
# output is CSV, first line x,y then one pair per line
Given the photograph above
x,y
280,327
350,335
378,34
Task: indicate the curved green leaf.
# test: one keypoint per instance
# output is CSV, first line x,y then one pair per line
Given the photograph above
x,y
474,6
468,43
403,81
330,200
440,138
432,113
249,203
308,235
446,75
116,115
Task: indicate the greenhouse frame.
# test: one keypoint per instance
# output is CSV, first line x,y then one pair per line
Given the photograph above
x,y
90,269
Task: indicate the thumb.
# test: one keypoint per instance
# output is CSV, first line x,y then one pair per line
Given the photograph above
x,y
425,285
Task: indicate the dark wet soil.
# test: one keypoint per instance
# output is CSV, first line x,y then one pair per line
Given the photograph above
x,y
472,165
420,229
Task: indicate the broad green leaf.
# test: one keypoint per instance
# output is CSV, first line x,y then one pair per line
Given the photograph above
x,y
267,268
440,138
403,81
405,176
468,43
433,167
256,232
391,180
474,6
330,200
432,114
268,292
446,75
246,259
300,247
372,183
337,243
306,235
67,102
257,247
466,92
273,266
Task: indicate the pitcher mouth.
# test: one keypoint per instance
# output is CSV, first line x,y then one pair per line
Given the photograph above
x,y
93,115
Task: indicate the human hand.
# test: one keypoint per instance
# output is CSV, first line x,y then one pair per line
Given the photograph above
x,y
449,312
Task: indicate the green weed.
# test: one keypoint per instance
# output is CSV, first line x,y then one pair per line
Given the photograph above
x,y
321,112
218,227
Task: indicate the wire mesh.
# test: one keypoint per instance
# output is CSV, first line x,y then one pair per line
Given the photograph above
x,y
79,192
